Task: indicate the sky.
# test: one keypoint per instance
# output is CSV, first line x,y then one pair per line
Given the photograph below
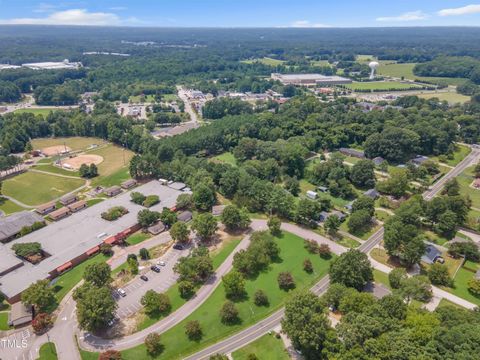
x,y
242,13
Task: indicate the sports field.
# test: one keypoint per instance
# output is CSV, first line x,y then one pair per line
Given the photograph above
x,y
114,159
33,188
74,143
406,70
381,85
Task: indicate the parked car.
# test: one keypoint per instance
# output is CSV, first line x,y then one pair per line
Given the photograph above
x,y
144,278
161,263
155,268
178,247
113,321
121,292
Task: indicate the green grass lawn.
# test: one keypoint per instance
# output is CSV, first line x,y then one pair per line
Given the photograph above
x,y
8,206
92,202
35,188
337,202
136,98
113,179
406,70
44,111
445,302
364,235
435,238
382,215
4,321
381,85
461,285
170,97
292,253
268,347
48,351
381,277
450,97
473,219
56,170
137,238
226,157
65,282
348,242
115,158
460,153
265,61
465,179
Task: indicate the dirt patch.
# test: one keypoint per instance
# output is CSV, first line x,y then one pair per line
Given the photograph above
x,y
56,150
77,161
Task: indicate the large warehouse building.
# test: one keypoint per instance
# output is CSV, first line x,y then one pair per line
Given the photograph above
x,y
65,64
310,79
72,240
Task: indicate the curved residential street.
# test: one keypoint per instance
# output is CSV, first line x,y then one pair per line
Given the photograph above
x,y
65,329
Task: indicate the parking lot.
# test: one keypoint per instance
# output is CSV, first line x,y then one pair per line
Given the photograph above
x,y
16,346
159,282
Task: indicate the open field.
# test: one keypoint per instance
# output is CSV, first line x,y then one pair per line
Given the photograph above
x,y
137,238
74,143
55,150
459,154
113,179
381,85
114,157
265,61
33,188
268,347
381,277
450,97
321,63
44,111
170,97
226,157
49,167
292,253
48,352
406,70
465,179
8,206
461,285
137,98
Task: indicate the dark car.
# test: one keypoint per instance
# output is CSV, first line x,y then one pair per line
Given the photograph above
x,y
144,278
178,247
155,268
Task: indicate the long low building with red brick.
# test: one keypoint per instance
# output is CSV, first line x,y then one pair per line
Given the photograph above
x,y
75,238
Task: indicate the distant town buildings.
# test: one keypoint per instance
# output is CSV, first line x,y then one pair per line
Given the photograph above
x,y
65,64
310,79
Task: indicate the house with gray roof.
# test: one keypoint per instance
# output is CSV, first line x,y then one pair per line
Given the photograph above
x,y
352,152
431,255
372,193
11,225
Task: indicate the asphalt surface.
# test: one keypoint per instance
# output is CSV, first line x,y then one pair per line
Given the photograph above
x,y
254,332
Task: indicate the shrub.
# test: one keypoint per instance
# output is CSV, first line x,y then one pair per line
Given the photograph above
x,y
137,198
110,355
153,344
467,249
229,313
193,330
311,246
274,225
42,323
186,289
396,276
260,298
438,275
307,266
324,251
27,249
474,287
106,249
285,281
28,229
144,254
151,200
114,213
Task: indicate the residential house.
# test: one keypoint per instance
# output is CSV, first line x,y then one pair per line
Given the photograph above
x,y
431,255
312,194
352,152
185,216
372,193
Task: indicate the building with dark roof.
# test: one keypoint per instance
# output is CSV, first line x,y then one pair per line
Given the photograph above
x,y
46,208
185,216
129,184
372,193
431,254
113,190
157,228
352,152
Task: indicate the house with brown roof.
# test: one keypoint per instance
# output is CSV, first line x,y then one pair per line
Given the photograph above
x,y
68,199
113,190
77,206
59,214
46,208
129,184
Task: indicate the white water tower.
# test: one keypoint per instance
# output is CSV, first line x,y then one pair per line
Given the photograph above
x,y
373,65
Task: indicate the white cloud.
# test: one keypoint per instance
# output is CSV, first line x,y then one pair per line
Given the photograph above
x,y
465,10
408,16
44,7
307,24
69,17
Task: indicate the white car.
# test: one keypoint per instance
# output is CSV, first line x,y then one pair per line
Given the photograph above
x,y
161,263
121,292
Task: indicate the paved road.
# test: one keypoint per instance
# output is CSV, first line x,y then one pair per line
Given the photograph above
x,y
252,333
188,107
